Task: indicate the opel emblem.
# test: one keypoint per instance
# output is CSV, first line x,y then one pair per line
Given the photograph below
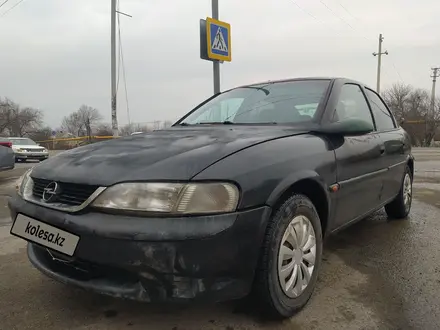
x,y
51,192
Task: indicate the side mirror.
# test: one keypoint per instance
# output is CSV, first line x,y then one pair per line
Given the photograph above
x,y
347,127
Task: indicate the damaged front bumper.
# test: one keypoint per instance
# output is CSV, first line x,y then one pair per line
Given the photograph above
x,y
210,258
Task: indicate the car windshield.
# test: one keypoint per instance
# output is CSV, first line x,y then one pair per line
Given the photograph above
x,y
271,103
22,142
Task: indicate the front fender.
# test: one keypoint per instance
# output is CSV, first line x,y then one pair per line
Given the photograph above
x,y
294,178
265,170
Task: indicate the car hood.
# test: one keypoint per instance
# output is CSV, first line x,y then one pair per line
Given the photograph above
x,y
178,153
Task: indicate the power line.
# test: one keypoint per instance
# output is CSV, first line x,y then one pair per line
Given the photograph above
x,y
4,3
121,61
119,49
7,11
331,10
125,81
347,11
354,29
322,22
344,21
392,62
314,17
306,11
397,71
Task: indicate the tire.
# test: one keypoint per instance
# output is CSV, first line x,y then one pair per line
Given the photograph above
x,y
272,297
400,207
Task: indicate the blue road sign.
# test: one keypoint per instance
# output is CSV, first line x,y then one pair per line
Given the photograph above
x,y
219,40
54,133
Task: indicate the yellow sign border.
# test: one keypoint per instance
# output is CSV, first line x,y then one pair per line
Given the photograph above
x,y
227,26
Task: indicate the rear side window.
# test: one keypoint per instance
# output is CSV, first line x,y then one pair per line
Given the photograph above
x,y
382,116
352,104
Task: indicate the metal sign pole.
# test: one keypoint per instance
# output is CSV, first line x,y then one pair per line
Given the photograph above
x,y
215,64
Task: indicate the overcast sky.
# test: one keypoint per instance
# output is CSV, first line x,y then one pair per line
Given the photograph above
x,y
55,54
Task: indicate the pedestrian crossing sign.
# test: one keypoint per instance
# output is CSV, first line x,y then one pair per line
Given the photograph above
x,y
218,39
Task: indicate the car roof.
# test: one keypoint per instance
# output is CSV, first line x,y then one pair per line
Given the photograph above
x,y
332,79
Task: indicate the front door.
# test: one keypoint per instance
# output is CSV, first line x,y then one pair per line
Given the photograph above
x,y
360,171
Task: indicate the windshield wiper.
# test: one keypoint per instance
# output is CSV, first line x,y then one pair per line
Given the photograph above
x,y
266,91
226,122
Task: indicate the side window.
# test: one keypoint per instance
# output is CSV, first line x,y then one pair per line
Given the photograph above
x,y
352,104
381,114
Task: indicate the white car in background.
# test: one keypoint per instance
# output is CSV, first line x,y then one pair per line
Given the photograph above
x,y
25,148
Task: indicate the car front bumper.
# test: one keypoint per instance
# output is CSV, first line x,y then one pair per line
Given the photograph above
x,y
209,258
31,155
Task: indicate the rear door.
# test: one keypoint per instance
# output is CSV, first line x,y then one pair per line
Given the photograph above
x,y
358,160
394,143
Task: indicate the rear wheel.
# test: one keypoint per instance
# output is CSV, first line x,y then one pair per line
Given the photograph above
x,y
400,207
290,258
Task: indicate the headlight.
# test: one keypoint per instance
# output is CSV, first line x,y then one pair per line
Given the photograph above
x,y
24,184
19,150
172,198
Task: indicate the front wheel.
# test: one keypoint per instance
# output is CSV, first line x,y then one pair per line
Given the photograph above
x,y
290,258
400,206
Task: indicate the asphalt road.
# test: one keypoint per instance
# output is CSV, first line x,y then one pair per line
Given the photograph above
x,y
376,275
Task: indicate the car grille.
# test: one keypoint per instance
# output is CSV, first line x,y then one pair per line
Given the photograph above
x,y
73,194
33,150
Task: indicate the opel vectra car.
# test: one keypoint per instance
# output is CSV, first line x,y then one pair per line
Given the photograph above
x,y
235,198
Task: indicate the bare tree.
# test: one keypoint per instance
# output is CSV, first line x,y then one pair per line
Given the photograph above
x,y
432,122
73,125
25,121
397,99
6,113
89,117
41,134
411,107
18,121
82,122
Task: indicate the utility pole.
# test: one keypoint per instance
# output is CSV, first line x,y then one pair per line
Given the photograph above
x,y
435,75
113,69
430,114
215,64
379,61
